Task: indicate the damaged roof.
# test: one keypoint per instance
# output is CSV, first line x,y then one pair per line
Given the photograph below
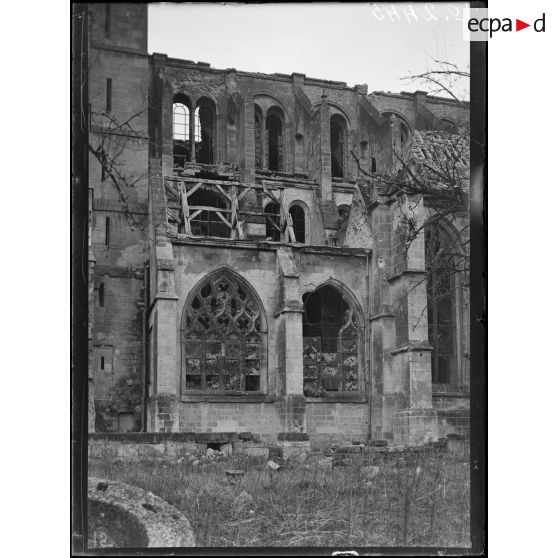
x,y
437,146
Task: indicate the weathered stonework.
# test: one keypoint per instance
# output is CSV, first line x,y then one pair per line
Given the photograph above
x,y
123,516
206,207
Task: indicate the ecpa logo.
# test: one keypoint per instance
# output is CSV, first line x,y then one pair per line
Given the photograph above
x,y
494,24
481,27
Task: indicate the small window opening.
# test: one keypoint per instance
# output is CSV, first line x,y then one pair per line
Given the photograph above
x,y
299,223
102,363
214,446
373,166
103,166
102,295
107,20
108,97
107,231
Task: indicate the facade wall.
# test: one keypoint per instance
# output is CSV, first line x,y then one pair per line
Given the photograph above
x,y
119,221
146,274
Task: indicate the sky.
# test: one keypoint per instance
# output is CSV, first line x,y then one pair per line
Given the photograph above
x,y
377,44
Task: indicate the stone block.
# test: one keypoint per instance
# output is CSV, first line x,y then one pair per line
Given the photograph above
x,y
127,451
349,449
151,449
257,452
293,437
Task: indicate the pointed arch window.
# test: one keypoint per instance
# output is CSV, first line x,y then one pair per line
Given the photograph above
x,y
441,304
223,337
331,344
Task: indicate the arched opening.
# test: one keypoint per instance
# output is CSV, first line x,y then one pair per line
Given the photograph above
x,y
272,213
204,221
299,223
338,141
204,131
258,119
441,303
223,337
331,343
180,130
275,147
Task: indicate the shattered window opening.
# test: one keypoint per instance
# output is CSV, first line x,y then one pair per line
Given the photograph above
x,y
223,337
330,344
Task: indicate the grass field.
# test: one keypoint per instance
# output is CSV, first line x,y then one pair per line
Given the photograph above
x,y
412,499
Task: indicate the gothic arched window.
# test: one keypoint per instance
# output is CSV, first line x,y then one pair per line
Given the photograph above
x,y
441,303
223,337
331,343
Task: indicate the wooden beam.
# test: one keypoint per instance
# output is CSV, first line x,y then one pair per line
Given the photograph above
x,y
209,208
223,192
192,190
224,220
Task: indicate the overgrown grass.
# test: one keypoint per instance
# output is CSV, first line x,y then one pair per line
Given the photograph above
x,y
416,499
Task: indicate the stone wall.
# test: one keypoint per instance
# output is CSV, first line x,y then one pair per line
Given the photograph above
x,y
119,223
128,231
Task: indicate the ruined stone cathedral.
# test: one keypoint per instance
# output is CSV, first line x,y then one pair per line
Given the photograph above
x,y
247,267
